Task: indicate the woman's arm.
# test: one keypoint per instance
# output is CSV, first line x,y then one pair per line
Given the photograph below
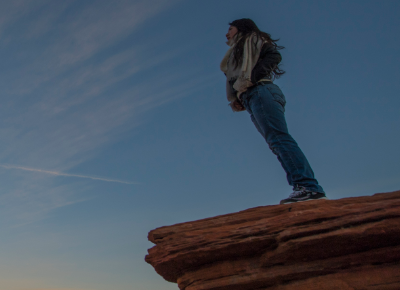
x,y
268,60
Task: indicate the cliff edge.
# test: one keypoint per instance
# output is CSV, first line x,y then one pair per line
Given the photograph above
x,y
350,243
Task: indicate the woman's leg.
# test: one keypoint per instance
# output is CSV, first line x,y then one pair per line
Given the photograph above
x,y
266,103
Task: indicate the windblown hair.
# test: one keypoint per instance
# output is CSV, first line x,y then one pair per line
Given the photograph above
x,y
247,27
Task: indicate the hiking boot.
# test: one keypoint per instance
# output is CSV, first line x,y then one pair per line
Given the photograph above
x,y
302,194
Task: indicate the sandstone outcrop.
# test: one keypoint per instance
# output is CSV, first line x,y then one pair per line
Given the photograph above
x,y
350,243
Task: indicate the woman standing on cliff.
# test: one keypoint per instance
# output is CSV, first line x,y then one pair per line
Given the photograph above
x,y
250,66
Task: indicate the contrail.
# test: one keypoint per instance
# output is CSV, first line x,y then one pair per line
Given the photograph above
x,y
63,174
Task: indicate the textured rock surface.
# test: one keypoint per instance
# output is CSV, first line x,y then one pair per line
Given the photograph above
x,y
351,243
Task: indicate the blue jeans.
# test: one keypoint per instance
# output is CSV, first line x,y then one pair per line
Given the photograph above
x,y
266,106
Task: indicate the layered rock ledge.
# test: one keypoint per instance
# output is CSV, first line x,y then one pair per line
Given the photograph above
x,y
350,243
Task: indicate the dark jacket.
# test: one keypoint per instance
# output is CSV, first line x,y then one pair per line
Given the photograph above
x,y
268,60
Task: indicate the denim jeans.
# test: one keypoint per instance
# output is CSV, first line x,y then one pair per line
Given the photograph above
x,y
266,106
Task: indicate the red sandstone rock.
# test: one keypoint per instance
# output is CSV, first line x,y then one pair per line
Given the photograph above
x,y
351,243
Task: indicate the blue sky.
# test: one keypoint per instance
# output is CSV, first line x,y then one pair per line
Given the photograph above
x,y
115,122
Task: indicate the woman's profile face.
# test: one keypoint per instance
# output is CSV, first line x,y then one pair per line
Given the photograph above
x,y
231,32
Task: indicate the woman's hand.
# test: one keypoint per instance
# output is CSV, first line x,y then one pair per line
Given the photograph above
x,y
237,106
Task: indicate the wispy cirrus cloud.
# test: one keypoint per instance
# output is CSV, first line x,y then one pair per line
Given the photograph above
x,y
8,166
68,90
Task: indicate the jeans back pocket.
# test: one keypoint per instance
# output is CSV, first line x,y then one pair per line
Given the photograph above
x,y
277,94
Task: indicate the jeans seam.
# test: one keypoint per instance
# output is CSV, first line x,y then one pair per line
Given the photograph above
x,y
274,135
